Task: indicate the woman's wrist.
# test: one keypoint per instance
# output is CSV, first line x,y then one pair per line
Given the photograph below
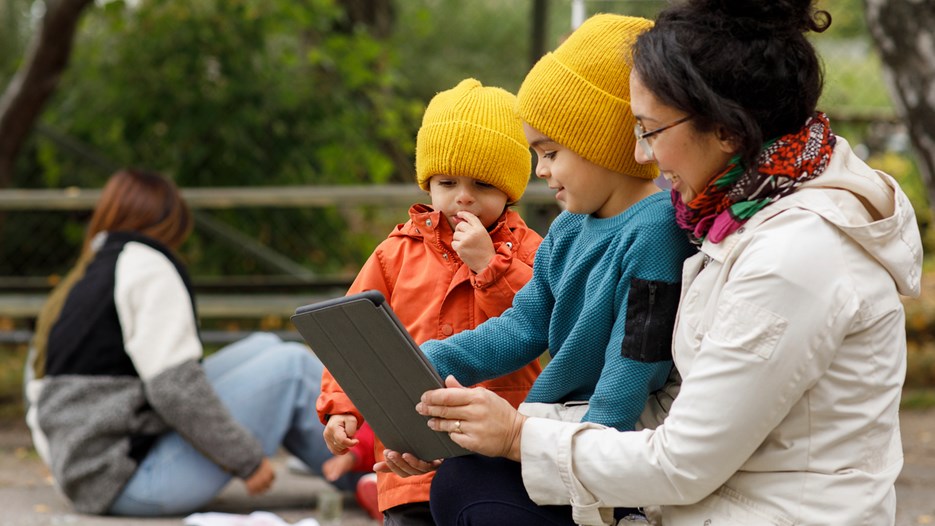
x,y
514,451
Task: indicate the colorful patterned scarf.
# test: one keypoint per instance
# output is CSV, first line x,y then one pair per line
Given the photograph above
x,y
736,194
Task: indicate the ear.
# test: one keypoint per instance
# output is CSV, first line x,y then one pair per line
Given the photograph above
x,y
727,141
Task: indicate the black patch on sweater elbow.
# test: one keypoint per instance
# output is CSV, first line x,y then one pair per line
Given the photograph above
x,y
651,309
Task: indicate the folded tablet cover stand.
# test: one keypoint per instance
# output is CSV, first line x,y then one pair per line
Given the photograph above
x,y
378,365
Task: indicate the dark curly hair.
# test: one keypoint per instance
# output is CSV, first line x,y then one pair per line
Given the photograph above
x,y
744,65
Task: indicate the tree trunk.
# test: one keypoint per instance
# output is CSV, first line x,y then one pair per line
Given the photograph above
x,y
379,16
904,31
35,81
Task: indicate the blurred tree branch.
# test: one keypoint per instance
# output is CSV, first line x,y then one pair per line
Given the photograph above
x,y
379,16
36,79
903,31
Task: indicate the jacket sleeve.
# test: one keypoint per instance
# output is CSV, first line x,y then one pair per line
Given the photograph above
x,y
638,356
161,339
502,344
185,399
332,400
760,356
508,271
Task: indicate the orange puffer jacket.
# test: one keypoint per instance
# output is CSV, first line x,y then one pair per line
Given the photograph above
x,y
436,295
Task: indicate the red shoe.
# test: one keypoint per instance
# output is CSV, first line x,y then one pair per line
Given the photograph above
x,y
367,496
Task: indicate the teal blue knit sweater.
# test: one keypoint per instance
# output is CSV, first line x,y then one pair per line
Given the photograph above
x,y
602,301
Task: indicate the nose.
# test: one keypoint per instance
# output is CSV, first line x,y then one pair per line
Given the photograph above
x,y
541,170
639,154
465,194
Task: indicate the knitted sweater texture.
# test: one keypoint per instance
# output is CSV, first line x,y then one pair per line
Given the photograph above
x,y
602,301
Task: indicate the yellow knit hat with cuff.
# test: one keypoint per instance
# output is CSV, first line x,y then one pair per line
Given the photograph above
x,y
473,131
579,94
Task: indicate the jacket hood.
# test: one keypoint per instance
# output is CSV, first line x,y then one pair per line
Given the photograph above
x,y
868,206
421,217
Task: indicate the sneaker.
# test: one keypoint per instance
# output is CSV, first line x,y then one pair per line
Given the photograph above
x,y
366,496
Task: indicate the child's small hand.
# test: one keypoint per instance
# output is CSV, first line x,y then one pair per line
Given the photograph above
x,y
339,433
472,242
404,464
334,467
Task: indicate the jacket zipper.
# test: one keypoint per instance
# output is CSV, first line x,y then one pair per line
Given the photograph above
x,y
649,318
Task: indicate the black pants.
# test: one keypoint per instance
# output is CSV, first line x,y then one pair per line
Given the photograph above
x,y
412,514
475,490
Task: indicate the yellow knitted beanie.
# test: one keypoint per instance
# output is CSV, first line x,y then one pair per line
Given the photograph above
x,y
579,94
473,131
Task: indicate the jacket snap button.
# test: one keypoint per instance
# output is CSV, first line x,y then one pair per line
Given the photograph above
x,y
428,222
509,244
447,330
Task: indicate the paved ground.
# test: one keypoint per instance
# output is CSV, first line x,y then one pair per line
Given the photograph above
x,y
27,497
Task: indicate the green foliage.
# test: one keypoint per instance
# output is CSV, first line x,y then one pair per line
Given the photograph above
x,y
918,399
236,92
847,18
13,35
232,93
441,42
854,83
272,92
12,361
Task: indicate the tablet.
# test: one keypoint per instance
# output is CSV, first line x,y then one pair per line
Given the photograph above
x,y
380,368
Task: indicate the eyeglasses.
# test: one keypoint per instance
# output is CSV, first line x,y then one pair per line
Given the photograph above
x,y
642,136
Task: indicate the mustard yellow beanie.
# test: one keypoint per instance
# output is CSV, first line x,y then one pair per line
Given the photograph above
x,y
473,131
579,94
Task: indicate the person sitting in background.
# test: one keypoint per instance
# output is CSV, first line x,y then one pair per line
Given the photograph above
x,y
122,407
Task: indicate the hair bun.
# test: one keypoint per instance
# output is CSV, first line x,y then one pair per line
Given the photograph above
x,y
766,15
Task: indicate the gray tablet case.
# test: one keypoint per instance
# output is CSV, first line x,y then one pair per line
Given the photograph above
x,y
379,366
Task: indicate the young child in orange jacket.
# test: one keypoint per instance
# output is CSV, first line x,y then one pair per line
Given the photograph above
x,y
455,263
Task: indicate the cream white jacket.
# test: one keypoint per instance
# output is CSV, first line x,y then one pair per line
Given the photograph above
x,y
790,340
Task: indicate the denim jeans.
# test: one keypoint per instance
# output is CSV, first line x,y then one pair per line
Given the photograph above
x,y
270,387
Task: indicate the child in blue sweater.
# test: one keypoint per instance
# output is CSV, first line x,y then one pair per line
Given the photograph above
x,y
606,281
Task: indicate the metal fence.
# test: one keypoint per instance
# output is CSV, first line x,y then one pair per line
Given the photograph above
x,y
255,255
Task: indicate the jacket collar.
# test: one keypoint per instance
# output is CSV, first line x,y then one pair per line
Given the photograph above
x,y
865,205
427,223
